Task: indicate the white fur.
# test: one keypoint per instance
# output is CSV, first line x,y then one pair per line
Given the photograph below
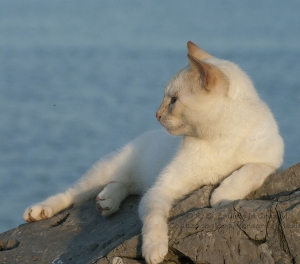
x,y
226,134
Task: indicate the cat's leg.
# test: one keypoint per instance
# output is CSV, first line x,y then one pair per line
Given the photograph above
x,y
47,208
154,211
240,183
85,189
109,199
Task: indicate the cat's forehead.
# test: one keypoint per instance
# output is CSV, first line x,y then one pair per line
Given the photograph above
x,y
176,84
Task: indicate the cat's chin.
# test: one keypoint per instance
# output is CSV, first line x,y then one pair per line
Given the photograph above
x,y
177,131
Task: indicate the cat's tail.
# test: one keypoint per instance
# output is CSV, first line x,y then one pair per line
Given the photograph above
x,y
86,188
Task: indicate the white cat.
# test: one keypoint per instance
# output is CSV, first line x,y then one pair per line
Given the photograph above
x,y
229,136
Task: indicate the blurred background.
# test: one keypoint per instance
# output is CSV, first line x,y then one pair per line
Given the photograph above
x,y
78,79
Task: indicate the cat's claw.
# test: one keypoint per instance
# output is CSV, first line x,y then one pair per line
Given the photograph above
x,y
38,212
154,252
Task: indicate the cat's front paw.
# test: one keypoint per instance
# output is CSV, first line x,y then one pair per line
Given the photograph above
x,y
38,212
108,201
155,251
222,196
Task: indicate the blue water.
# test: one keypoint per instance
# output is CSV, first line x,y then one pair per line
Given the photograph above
x,y
79,79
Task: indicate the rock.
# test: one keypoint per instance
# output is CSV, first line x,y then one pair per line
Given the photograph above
x,y
265,230
78,235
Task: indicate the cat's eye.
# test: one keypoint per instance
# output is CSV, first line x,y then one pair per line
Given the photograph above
x,y
173,100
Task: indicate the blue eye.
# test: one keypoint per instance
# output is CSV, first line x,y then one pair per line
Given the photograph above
x,y
173,100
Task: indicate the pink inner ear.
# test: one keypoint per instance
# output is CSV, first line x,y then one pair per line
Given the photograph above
x,y
202,69
210,75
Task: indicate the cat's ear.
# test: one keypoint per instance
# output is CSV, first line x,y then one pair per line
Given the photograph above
x,y
197,52
201,69
196,57
211,77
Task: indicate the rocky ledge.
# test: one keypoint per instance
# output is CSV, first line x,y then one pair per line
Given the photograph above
x,y
264,228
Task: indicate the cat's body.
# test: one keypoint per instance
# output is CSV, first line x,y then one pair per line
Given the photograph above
x,y
228,132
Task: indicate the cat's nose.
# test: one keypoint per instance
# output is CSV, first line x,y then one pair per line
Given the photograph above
x,y
158,116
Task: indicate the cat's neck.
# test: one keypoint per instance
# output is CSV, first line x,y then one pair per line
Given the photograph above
x,y
209,132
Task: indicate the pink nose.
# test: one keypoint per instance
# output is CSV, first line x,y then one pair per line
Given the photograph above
x,y
158,116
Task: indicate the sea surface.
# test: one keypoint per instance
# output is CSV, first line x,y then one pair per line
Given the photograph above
x,y
78,79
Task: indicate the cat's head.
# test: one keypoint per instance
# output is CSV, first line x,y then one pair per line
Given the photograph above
x,y
194,98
